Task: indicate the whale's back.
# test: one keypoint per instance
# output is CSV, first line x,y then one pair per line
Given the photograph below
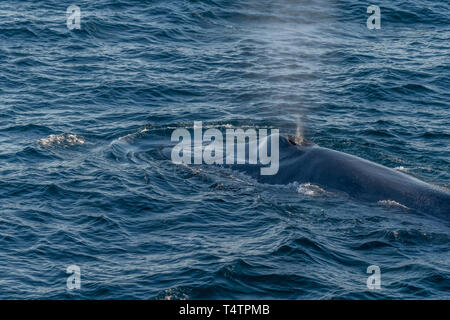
x,y
359,178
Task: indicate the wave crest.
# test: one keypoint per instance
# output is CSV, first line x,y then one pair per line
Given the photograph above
x,y
310,189
392,204
64,140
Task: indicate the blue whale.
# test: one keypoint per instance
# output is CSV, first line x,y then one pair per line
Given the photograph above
x,y
343,173
358,178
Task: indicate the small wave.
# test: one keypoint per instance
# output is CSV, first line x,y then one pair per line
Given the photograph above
x,y
311,190
173,294
392,204
64,140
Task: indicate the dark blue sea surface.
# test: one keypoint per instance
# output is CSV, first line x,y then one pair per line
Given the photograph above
x,y
84,113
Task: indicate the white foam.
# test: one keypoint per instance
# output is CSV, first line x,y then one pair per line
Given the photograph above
x,y
65,139
311,190
392,204
401,168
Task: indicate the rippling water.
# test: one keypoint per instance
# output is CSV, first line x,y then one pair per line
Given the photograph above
x,y
84,113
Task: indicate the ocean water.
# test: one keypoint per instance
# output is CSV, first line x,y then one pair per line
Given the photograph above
x,y
84,113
